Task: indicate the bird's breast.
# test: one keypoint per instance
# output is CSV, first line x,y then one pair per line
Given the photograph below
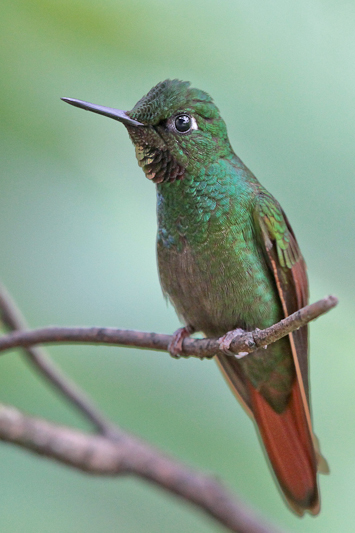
x,y
218,281
210,263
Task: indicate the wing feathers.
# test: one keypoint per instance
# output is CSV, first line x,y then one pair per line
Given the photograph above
x,y
288,437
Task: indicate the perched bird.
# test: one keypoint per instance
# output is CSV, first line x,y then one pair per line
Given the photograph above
x,y
228,259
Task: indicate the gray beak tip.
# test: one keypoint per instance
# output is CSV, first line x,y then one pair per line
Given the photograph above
x,y
116,114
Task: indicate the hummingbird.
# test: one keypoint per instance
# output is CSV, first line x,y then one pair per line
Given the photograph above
x,y
228,259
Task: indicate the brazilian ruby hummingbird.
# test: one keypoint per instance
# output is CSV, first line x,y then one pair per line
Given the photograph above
x,y
228,259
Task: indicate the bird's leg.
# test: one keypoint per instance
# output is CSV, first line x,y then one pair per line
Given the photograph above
x,y
175,346
226,340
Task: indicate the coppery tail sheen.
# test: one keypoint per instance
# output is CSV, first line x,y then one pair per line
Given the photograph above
x,y
290,449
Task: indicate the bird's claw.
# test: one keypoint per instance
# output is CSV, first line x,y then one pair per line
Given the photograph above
x,y
175,347
226,340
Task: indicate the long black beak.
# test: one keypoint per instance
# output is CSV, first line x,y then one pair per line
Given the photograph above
x,y
116,114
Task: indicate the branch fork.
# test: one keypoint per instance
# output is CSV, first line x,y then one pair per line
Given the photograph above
x,y
113,451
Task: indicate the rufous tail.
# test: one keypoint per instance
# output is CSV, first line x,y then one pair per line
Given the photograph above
x,y
290,448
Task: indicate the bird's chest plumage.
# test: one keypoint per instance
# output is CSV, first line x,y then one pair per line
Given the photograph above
x,y
209,262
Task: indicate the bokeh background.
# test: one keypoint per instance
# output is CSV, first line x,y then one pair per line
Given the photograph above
x,y
78,228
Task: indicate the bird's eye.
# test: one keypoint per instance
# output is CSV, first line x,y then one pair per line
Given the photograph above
x,y
183,123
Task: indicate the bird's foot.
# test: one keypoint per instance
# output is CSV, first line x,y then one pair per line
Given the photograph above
x,y
226,341
175,346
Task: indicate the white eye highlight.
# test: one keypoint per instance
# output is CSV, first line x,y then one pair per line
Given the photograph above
x,y
194,125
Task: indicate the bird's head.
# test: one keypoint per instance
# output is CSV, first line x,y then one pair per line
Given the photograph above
x,y
175,129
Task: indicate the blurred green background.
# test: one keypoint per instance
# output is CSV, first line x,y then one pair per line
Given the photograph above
x,y
78,229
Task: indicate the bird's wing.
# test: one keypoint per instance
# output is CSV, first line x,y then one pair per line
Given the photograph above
x,y
289,270
287,436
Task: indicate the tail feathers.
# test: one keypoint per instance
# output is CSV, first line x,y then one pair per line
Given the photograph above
x,y
290,448
322,463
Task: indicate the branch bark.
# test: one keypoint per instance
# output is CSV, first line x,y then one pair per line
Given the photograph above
x,y
13,320
245,343
100,455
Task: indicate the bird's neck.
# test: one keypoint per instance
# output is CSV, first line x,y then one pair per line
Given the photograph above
x,y
201,202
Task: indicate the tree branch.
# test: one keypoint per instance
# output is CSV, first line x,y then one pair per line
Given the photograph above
x,y
13,320
102,456
116,452
245,343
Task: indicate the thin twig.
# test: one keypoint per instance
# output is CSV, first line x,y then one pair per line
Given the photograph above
x,y
246,342
13,320
102,456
